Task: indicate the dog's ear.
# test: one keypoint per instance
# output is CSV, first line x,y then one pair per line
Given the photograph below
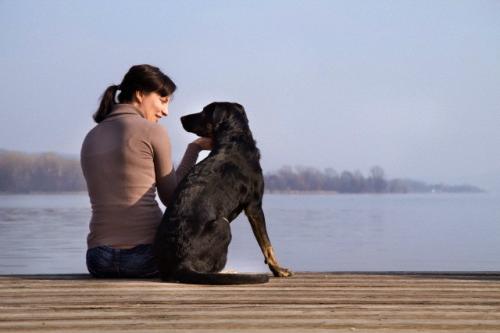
x,y
220,116
218,113
227,116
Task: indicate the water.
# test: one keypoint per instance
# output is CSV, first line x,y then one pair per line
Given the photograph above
x,y
443,232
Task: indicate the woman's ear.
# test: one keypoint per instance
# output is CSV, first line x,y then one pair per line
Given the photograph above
x,y
139,96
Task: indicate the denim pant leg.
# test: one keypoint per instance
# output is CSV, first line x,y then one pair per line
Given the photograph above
x,y
102,262
108,262
138,262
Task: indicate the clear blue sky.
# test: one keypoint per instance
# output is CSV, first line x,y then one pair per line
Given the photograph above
x,y
412,86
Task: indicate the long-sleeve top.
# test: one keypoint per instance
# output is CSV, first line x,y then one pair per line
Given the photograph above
x,y
125,159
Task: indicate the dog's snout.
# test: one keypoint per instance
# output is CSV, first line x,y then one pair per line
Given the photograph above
x,y
184,122
195,123
189,123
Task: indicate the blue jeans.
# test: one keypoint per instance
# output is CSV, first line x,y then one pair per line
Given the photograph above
x,y
108,262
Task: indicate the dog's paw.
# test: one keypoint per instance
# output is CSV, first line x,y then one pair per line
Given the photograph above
x,y
281,272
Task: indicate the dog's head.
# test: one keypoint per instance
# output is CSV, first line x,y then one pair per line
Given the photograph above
x,y
216,118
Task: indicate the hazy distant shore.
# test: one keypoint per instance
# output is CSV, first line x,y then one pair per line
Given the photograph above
x,y
55,173
363,193
44,193
333,193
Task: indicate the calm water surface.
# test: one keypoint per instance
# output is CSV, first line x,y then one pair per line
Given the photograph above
x,y
47,233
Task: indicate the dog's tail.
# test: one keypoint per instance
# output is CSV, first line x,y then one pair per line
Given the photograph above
x,y
188,276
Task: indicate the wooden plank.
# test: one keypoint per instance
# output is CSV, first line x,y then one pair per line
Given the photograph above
x,y
344,301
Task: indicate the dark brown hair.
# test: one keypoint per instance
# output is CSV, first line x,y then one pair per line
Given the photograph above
x,y
144,78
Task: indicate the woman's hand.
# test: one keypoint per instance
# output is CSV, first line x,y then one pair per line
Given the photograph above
x,y
204,143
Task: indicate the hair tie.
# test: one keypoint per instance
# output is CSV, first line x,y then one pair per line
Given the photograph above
x,y
115,97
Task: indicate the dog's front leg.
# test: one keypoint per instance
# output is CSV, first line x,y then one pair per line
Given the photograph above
x,y
257,221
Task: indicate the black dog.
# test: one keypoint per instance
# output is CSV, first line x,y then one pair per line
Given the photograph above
x,y
193,238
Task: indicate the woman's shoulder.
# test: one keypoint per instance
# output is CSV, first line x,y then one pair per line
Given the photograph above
x,y
154,133
156,130
136,123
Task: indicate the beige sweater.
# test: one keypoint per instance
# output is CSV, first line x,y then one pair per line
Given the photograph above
x,y
124,159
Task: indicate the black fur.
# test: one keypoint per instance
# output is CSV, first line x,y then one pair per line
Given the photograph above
x,y
193,238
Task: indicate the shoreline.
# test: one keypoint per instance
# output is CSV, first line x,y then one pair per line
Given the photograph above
x,y
290,192
365,193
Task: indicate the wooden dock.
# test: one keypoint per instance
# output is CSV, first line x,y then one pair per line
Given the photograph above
x,y
307,302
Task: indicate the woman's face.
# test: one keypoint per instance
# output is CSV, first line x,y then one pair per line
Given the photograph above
x,y
152,105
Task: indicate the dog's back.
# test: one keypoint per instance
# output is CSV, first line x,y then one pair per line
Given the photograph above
x,y
193,238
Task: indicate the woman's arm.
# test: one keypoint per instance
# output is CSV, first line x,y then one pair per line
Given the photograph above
x,y
167,177
191,155
189,159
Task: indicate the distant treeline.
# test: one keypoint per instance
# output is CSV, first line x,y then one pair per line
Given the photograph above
x,y
51,172
44,172
307,179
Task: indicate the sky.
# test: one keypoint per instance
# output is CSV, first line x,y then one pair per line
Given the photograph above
x,y
411,86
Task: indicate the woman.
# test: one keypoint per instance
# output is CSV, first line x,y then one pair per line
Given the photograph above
x,y
125,159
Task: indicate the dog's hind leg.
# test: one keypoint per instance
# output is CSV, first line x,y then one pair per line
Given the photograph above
x,y
208,248
257,221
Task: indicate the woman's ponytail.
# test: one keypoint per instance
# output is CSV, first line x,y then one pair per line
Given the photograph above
x,y
107,102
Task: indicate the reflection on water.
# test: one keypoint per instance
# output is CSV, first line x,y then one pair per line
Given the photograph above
x,y
47,233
